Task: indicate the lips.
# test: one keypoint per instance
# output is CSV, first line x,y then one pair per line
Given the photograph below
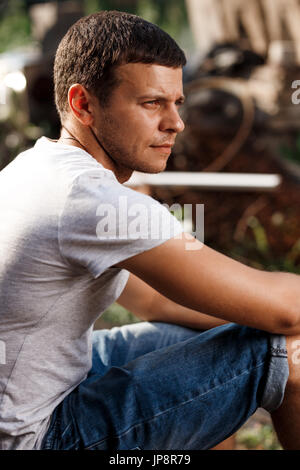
x,y
166,144
166,149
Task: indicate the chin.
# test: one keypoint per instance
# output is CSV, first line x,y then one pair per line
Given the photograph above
x,y
152,171
158,168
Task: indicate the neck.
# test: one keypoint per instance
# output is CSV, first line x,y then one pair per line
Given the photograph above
x,y
95,148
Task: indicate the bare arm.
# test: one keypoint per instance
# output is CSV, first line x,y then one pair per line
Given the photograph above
x,y
148,304
210,282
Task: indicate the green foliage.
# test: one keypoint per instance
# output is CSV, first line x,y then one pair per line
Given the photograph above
x,y
258,437
259,235
91,6
122,5
14,26
170,15
291,152
118,315
257,252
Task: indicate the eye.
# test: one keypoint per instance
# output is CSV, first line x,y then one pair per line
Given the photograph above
x,y
179,104
152,104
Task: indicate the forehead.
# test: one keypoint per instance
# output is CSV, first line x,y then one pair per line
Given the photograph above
x,y
150,79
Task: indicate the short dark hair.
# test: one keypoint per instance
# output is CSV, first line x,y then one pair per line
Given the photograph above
x,y
96,44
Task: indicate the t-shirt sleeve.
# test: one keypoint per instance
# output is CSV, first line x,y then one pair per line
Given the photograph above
x,y
103,223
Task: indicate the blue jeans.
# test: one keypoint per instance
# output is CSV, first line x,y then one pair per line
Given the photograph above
x,y
162,386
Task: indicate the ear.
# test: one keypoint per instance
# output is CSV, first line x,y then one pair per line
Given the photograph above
x,y
80,104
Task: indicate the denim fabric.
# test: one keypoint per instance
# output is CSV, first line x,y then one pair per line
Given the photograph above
x,y
161,386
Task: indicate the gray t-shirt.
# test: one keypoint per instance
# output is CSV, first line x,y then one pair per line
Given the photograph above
x,y
65,222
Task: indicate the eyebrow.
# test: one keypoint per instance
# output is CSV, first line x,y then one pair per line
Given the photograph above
x,y
156,96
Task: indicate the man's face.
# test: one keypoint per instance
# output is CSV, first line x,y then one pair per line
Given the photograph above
x,y
139,125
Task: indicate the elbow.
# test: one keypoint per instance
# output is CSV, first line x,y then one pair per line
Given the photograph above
x,y
288,324
288,304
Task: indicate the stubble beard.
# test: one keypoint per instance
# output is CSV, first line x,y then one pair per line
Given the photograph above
x,y
109,138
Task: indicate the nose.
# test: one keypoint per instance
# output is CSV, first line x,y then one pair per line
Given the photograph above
x,y
171,121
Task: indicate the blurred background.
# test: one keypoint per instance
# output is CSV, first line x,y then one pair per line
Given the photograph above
x,y
242,115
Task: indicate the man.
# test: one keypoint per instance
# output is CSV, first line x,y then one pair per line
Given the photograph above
x,y
69,238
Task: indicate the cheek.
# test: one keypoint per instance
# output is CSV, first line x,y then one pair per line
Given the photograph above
x,y
138,129
134,128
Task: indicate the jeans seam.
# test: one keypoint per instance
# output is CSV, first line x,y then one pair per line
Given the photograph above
x,y
66,429
176,406
72,422
50,436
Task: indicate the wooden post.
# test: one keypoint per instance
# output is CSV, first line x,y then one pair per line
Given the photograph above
x,y
292,18
207,23
272,13
278,13
251,19
218,21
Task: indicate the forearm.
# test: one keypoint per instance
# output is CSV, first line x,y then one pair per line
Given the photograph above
x,y
165,310
209,282
283,286
223,288
280,314
149,305
286,286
